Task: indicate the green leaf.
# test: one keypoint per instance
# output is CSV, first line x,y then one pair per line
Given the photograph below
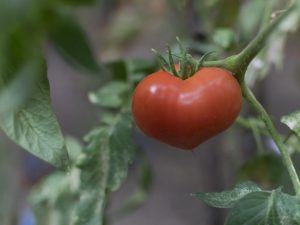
x,y
118,70
111,95
104,168
225,38
122,151
227,199
292,144
93,180
292,121
53,201
74,149
35,128
71,42
272,208
25,115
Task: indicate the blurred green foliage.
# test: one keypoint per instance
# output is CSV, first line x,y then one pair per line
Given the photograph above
x,y
99,164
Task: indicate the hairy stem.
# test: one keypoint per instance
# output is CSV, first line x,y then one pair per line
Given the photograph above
x,y
274,134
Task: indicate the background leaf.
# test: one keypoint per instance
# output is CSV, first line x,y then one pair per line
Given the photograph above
x,y
225,38
111,95
71,42
292,121
75,149
227,199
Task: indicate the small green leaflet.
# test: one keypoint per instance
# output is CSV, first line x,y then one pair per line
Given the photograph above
x,y
227,199
74,149
35,128
292,121
122,150
111,95
265,208
224,38
118,70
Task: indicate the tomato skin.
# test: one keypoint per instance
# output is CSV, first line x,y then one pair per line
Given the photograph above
x,y
185,113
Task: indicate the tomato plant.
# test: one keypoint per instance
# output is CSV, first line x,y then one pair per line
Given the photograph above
x,y
191,99
185,113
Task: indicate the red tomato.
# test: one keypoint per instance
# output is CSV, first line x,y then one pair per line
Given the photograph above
x,y
185,113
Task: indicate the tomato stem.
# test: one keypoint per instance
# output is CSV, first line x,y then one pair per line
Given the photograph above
x,y
172,64
188,66
274,134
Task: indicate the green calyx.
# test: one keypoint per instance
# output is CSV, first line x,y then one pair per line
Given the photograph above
x,y
188,65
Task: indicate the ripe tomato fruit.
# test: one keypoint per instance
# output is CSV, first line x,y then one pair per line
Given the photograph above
x,y
185,113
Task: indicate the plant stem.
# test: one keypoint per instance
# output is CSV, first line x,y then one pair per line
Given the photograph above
x,y
274,134
255,46
238,64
